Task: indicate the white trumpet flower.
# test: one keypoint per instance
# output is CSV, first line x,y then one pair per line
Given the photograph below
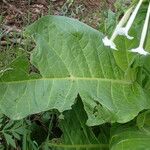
x,y
110,42
140,49
125,30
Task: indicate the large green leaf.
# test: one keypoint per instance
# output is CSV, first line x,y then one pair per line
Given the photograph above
x,y
72,60
78,136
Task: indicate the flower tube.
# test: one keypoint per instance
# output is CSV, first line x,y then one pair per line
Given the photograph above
x,y
110,42
125,30
140,49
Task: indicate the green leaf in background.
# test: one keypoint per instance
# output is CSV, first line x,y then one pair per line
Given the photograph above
x,y
10,140
72,60
19,70
76,134
127,137
143,122
109,23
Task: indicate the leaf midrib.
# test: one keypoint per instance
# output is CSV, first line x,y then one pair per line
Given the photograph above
x,y
73,79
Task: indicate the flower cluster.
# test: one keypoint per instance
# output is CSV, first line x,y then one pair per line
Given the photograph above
x,y
124,26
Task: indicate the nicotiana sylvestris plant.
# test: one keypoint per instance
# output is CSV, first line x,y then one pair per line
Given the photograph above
x,y
128,20
72,60
85,81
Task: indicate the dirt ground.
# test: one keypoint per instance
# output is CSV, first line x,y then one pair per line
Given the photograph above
x,y
20,13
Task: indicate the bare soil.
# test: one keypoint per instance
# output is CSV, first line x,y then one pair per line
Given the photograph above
x,y
20,13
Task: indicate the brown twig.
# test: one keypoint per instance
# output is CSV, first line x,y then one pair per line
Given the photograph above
x,y
12,41
12,7
11,28
8,29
